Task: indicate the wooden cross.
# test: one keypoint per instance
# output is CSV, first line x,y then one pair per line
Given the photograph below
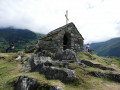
x,y
66,15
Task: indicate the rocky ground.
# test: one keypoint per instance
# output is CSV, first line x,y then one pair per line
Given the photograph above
x,y
59,71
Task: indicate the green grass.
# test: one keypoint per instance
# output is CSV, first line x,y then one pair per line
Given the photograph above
x,y
116,62
81,81
90,57
8,71
73,66
93,69
83,55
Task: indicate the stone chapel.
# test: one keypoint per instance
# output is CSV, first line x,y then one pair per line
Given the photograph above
x,y
62,38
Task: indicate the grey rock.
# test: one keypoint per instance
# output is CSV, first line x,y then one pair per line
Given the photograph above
x,y
56,88
44,65
66,55
44,53
34,60
65,75
111,76
30,49
27,83
88,63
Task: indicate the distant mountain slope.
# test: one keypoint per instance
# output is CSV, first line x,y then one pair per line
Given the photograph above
x,y
21,38
108,48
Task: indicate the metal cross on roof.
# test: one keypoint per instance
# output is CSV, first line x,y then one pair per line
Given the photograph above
x,y
66,15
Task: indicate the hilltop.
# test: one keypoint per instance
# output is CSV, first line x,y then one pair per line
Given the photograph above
x,y
60,70
94,73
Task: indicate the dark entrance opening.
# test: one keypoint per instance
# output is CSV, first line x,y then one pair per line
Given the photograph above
x,y
66,41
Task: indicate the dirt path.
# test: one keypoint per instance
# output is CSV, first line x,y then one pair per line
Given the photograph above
x,y
5,54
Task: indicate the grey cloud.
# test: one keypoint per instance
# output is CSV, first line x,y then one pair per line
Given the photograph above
x,y
42,16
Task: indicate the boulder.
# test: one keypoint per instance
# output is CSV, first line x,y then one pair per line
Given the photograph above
x,y
27,83
60,64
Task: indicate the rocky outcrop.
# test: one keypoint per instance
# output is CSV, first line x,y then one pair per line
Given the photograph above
x,y
88,63
27,83
44,65
66,55
30,49
111,76
65,75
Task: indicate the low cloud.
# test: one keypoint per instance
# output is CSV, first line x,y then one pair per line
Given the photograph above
x,y
95,19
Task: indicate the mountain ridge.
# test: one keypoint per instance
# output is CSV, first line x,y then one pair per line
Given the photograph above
x,y
107,48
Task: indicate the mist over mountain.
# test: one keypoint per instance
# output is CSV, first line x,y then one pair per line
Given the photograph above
x,y
21,38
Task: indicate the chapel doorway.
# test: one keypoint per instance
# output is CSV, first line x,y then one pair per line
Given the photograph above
x,y
66,41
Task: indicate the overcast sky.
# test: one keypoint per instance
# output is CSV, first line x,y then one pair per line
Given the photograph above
x,y
96,20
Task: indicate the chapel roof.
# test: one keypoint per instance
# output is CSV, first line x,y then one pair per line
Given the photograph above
x,y
60,29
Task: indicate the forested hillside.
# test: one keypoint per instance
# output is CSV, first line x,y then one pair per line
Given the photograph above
x,y
20,37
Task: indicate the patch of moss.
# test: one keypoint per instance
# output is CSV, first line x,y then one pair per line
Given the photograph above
x,y
81,81
73,66
116,62
93,69
8,71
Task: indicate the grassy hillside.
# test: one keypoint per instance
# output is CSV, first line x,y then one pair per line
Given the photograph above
x,y
11,69
108,48
21,38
